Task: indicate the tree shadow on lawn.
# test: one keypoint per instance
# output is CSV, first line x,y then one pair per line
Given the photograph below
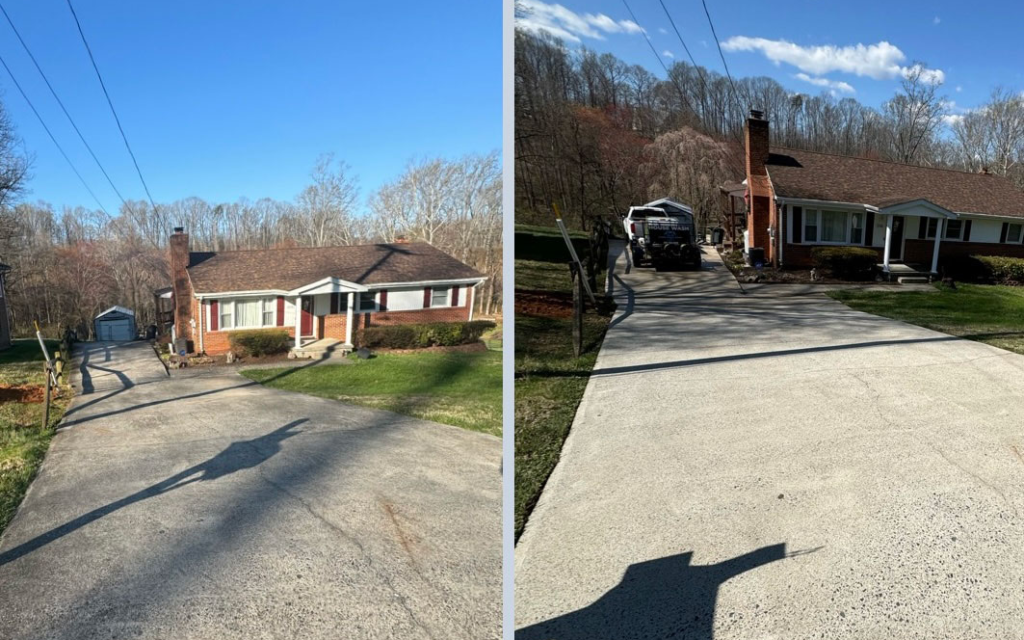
x,y
128,384
422,398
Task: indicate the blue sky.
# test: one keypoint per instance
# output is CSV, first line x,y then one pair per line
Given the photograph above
x,y
854,49
228,99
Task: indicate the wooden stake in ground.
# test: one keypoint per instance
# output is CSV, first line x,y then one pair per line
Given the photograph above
x,y
572,251
578,283
46,405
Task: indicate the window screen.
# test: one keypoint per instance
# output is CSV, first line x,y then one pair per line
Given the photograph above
x,y
439,297
1013,232
833,226
367,300
811,226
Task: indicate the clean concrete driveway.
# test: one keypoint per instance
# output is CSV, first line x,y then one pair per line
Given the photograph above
x,y
765,466
213,507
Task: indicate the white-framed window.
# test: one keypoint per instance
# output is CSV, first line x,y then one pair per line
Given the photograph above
x,y
1013,232
247,313
857,227
823,226
227,314
833,226
440,297
810,225
933,227
367,300
954,230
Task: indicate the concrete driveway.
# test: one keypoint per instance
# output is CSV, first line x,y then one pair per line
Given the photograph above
x,y
213,507
766,466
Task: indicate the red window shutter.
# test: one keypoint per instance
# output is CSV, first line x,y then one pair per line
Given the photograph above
x,y
383,300
426,298
280,311
214,315
455,296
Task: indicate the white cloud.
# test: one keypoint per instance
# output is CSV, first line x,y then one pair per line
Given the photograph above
x,y
880,61
951,119
668,54
567,24
663,31
931,76
834,85
936,20
959,88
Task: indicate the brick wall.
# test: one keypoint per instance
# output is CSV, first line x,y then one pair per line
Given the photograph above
x,y
920,251
334,326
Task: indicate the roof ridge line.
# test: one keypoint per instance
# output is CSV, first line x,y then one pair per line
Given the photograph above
x,y
892,162
333,246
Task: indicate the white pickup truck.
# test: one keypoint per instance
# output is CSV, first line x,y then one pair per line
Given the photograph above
x,y
635,224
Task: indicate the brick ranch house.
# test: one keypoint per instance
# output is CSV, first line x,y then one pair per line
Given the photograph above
x,y
315,294
913,217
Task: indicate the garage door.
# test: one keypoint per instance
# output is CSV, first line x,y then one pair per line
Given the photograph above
x,y
116,330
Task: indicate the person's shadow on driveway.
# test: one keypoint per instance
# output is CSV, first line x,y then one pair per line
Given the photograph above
x,y
663,598
243,454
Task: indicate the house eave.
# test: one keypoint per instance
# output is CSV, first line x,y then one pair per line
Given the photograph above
x,y
344,286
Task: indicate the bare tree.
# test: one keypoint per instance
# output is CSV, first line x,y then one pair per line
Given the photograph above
x,y
913,116
327,206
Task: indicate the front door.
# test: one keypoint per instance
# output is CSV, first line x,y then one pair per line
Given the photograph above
x,y
896,248
307,316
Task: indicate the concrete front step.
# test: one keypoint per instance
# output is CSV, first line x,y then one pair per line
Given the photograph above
x,y
912,280
321,349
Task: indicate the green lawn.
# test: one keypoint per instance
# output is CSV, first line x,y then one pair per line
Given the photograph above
x,y
549,380
456,388
987,313
23,441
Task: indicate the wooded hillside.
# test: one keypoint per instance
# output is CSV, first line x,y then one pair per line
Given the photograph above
x,y
69,265
596,135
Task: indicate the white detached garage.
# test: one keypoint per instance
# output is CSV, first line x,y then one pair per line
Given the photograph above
x,y
116,324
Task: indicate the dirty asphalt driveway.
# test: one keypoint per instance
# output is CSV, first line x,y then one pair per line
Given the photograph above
x,y
762,465
213,507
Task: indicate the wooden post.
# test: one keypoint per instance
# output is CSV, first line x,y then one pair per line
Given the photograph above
x,y
46,406
577,309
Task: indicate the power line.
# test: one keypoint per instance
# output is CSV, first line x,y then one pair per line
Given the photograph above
x,y
721,55
685,48
63,108
668,75
111,103
49,133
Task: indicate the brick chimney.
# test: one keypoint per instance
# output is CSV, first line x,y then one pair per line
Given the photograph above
x,y
756,140
760,214
180,283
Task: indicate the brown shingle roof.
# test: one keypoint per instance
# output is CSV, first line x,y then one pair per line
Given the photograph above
x,y
287,269
821,176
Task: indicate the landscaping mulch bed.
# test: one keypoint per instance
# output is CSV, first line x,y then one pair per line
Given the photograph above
x,y
462,348
547,304
194,362
22,393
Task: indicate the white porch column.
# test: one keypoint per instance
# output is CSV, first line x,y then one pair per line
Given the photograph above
x,y
472,300
888,243
298,321
939,228
349,316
